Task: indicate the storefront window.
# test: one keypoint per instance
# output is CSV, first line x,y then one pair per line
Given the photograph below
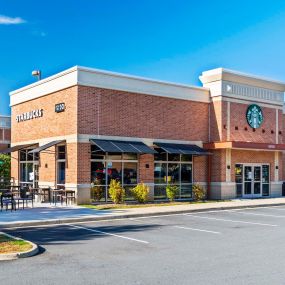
x,y
61,164
176,169
160,171
130,173
121,167
98,172
28,167
238,179
61,173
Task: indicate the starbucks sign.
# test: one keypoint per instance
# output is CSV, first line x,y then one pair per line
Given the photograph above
x,y
254,116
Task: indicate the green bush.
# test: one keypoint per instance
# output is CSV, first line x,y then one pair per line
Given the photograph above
x,y
171,192
198,192
141,192
116,192
5,165
97,190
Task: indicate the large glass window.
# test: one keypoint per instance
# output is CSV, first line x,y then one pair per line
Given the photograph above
x,y
28,167
122,167
173,169
61,164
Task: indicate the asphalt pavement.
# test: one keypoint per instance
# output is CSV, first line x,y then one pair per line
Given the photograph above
x,y
244,246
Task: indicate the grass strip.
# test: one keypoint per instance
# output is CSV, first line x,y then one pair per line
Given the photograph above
x,y
10,245
108,206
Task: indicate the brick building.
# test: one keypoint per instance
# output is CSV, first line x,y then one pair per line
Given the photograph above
x,y
5,131
84,124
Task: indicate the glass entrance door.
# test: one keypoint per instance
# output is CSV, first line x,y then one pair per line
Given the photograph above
x,y
252,181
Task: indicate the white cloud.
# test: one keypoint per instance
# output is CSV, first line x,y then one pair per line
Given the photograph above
x,y
5,20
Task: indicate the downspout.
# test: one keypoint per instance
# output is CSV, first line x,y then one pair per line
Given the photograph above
x,y
209,160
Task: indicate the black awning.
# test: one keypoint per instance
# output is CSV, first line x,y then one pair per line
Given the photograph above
x,y
16,148
182,148
122,146
45,146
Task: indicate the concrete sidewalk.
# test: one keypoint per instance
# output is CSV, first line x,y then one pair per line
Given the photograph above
x,y
60,215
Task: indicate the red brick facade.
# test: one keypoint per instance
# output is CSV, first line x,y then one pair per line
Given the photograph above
x,y
113,113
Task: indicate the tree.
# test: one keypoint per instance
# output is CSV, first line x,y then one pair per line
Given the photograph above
x,y
5,165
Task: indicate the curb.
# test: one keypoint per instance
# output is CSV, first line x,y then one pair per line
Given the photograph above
x,y
17,255
126,216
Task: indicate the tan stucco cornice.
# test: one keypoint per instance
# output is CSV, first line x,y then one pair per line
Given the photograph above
x,y
222,74
85,76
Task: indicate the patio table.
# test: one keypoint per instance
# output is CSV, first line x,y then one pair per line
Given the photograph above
x,y
56,193
68,195
45,192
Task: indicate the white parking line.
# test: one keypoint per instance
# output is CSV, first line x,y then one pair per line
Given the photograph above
x,y
255,214
194,229
233,221
276,208
109,234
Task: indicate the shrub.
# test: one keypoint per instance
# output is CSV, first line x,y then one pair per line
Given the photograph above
x,y
5,165
171,192
97,191
140,192
116,191
198,192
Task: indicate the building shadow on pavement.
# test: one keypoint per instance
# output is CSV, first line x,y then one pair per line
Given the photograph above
x,y
65,234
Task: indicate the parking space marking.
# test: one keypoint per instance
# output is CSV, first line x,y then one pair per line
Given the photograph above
x,y
109,234
198,230
233,221
255,214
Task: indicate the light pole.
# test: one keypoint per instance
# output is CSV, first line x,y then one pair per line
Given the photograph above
x,y
37,73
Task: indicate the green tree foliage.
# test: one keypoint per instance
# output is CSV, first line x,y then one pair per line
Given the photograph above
x,y
5,165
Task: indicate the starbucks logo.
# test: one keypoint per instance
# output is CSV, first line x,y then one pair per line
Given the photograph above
x,y
254,116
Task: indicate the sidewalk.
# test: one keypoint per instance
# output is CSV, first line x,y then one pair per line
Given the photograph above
x,y
45,215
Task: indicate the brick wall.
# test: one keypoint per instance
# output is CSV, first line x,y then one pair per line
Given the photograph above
x,y
200,169
118,113
244,156
218,166
83,163
51,123
14,165
261,135
146,175
47,166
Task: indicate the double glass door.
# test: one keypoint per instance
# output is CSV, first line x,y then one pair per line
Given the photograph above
x,y
252,181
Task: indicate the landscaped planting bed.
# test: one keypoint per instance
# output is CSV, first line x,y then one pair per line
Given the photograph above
x,y
11,245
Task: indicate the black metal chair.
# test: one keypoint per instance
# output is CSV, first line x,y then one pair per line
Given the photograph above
x,y
6,200
26,195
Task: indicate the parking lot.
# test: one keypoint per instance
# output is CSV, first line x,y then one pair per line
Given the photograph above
x,y
243,246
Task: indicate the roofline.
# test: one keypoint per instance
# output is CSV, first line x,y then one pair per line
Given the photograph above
x,y
248,75
105,72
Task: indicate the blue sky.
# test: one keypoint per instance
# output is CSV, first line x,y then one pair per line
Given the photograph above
x,y
172,40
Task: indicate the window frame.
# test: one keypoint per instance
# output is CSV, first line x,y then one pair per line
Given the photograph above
x,y
180,162
106,159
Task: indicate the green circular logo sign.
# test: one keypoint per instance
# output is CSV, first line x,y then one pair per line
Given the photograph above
x,y
254,116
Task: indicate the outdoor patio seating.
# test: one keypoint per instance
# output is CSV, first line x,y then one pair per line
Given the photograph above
x,y
26,195
68,196
56,195
44,193
6,200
